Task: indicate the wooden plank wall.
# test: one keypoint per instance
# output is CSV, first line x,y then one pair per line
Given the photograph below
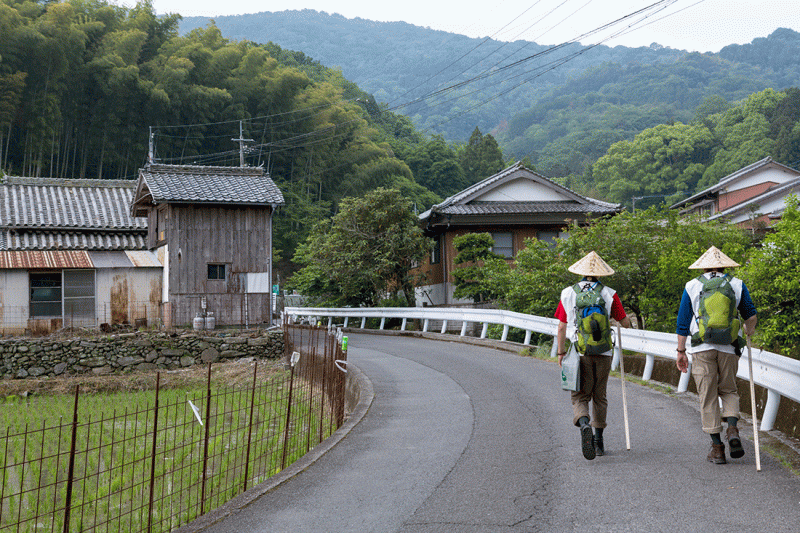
x,y
238,237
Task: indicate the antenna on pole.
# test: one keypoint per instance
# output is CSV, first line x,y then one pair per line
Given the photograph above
x,y
241,140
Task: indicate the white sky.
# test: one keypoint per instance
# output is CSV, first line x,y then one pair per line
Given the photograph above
x,y
697,25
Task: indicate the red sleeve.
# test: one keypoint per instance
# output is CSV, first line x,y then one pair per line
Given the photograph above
x,y
617,311
561,314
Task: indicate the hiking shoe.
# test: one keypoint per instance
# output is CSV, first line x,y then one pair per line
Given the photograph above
x,y
734,442
587,442
717,454
599,449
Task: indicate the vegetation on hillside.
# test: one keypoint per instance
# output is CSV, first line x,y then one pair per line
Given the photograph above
x,y
562,107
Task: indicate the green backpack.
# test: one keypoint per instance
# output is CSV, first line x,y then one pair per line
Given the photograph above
x,y
593,326
718,320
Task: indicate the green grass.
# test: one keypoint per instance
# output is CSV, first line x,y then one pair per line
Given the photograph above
x,y
115,456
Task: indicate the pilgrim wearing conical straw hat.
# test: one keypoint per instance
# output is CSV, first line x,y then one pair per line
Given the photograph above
x,y
713,258
591,265
708,330
597,304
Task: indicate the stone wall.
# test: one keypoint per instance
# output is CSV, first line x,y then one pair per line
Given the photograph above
x,y
125,352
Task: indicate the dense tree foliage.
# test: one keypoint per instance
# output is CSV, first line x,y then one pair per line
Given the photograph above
x,y
676,160
88,88
474,249
363,253
773,278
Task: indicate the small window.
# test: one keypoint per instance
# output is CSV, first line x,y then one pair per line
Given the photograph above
x,y
45,295
216,272
436,250
503,244
549,237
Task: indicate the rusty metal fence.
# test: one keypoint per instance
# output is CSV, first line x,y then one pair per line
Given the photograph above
x,y
155,466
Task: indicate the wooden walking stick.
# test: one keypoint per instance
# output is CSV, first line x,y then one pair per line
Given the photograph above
x,y
753,404
624,396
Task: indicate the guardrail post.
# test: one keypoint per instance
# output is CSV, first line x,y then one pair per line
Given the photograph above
x,y
484,330
770,410
683,383
616,356
403,325
527,337
648,367
330,321
383,322
463,327
425,326
363,321
505,333
554,349
444,326
346,319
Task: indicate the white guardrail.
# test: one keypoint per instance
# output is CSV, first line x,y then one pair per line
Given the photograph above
x,y
778,374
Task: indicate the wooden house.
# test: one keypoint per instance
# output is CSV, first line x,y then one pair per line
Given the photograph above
x,y
513,205
72,256
212,227
753,196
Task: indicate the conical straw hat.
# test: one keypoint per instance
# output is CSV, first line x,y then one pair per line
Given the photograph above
x,y
714,258
591,265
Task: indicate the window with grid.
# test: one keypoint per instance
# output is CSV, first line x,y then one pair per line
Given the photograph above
x,y
45,295
503,244
216,272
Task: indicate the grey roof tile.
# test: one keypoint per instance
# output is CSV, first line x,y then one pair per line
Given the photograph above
x,y
201,184
50,204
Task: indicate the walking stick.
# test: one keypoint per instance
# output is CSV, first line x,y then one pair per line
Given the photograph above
x,y
624,396
753,404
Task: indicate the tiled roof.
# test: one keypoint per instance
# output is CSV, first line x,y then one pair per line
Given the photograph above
x,y
201,184
501,208
463,203
62,214
55,204
784,189
72,240
721,184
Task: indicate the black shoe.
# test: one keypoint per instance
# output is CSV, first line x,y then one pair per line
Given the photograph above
x,y
587,442
599,449
734,442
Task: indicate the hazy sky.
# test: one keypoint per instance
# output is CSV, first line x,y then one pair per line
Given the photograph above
x,y
702,25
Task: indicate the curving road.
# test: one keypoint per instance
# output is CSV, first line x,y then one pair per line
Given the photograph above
x,y
464,438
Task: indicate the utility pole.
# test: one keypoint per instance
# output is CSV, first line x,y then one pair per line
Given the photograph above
x,y
150,149
241,140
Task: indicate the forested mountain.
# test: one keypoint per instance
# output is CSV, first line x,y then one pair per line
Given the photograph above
x,y
560,106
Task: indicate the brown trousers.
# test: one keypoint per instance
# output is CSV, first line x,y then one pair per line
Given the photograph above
x,y
594,379
715,376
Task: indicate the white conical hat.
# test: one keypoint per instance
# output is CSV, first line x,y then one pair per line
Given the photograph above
x,y
591,265
714,258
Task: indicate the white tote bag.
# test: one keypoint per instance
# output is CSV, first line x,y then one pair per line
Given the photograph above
x,y
571,370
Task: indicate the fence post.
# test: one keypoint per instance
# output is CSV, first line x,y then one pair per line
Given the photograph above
x,y
153,456
205,444
250,426
288,416
71,468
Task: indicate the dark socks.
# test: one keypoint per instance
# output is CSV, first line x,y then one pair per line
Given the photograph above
x,y
715,438
732,420
583,421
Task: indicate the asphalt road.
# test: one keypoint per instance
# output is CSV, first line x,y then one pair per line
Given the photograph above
x,y
464,438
